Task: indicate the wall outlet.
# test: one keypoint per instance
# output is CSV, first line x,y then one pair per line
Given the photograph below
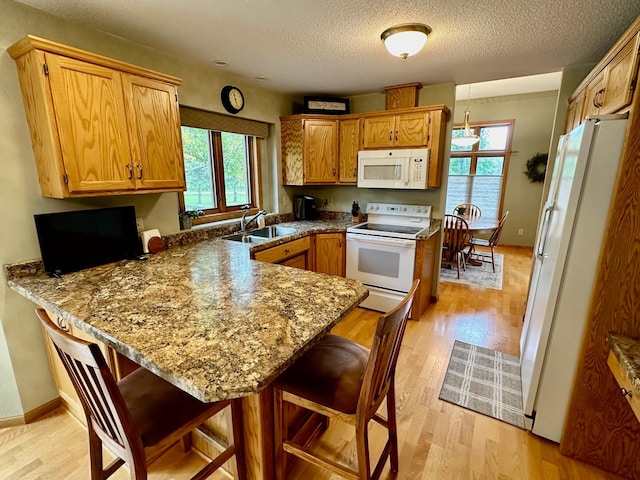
x,y
139,224
330,202
521,231
285,200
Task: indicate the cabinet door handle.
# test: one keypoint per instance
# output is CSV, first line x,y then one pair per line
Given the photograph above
x,y
600,101
626,393
286,250
139,166
130,168
391,135
334,172
355,172
396,135
340,243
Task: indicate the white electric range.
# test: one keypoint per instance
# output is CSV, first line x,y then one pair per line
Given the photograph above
x,y
381,252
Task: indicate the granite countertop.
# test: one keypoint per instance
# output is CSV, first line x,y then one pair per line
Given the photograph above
x,y
627,351
204,316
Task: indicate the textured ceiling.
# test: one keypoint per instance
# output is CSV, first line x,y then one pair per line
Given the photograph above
x,y
334,47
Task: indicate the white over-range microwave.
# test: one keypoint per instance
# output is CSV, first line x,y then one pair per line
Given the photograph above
x,y
398,168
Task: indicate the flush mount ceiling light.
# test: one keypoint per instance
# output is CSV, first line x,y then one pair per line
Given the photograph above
x,y
406,39
467,138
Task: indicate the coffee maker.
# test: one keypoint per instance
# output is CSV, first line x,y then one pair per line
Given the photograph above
x,y
304,207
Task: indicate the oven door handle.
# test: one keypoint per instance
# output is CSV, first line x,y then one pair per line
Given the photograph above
x,y
394,242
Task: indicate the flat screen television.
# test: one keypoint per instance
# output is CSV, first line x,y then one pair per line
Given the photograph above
x,y
71,241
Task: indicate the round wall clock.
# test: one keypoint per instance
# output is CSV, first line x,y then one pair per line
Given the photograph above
x,y
232,99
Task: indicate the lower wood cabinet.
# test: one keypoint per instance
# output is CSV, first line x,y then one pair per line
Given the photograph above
x,y
423,269
296,253
330,253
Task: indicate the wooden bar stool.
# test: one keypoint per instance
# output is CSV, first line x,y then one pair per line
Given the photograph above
x,y
339,378
141,413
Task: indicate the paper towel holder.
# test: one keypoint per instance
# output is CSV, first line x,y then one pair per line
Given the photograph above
x,y
146,236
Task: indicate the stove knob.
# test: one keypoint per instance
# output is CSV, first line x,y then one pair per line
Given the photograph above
x,y
404,209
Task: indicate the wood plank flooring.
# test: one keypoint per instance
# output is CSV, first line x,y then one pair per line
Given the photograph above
x,y
437,440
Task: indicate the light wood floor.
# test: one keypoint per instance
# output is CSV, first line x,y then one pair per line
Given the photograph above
x,y
437,440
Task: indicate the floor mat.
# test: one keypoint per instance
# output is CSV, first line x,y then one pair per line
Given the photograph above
x,y
479,276
485,381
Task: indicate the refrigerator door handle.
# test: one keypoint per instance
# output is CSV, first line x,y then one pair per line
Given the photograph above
x,y
544,231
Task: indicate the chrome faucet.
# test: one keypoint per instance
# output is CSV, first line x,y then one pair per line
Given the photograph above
x,y
244,223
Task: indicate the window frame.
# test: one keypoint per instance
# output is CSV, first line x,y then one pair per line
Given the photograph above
x,y
474,153
224,212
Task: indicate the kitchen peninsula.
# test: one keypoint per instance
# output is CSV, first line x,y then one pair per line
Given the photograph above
x,y
203,316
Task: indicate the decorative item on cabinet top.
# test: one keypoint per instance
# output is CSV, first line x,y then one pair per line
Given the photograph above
x,y
326,105
134,147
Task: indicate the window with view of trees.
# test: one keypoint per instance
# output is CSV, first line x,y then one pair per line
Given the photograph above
x,y
477,173
219,170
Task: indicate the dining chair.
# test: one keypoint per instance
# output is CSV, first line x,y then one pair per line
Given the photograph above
x,y
338,378
490,243
138,417
472,210
455,238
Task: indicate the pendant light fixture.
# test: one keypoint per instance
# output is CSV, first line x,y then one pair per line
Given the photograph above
x,y
468,138
406,39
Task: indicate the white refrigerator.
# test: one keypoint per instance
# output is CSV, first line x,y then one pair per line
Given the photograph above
x,y
567,254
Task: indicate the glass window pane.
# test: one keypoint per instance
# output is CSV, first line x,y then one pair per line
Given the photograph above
x,y
459,165
486,193
459,132
458,191
494,138
489,165
236,169
200,193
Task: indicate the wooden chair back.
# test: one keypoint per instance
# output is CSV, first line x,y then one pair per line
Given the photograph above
x,y
455,235
97,389
472,210
495,236
384,355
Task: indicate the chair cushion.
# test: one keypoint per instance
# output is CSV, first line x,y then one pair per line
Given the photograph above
x,y
329,373
157,407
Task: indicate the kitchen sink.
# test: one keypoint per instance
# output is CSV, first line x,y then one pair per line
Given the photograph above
x,y
271,231
245,238
260,234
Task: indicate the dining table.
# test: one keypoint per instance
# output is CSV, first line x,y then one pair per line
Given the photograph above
x,y
479,226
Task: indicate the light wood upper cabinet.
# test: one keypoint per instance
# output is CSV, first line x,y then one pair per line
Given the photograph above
x,y
574,113
154,130
594,96
378,131
320,151
330,253
403,131
349,145
309,150
98,126
621,77
611,89
92,125
309,156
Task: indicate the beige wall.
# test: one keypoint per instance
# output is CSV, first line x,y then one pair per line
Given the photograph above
x,y
534,116
25,381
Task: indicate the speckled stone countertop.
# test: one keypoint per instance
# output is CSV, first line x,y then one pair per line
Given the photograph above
x,y
627,351
203,315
